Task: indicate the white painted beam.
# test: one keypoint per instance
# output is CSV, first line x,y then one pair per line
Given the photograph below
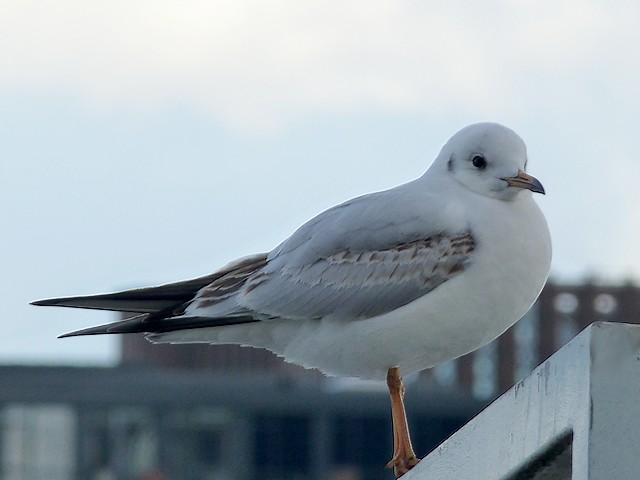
x,y
576,417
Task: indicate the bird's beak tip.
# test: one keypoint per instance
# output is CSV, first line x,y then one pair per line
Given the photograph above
x,y
524,180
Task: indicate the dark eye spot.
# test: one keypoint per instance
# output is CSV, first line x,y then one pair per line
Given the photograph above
x,y
479,162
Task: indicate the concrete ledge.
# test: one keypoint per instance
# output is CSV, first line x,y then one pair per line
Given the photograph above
x,y
575,417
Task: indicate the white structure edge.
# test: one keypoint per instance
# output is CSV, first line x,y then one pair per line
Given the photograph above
x,y
577,416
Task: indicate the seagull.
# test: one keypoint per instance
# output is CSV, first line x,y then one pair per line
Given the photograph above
x,y
377,287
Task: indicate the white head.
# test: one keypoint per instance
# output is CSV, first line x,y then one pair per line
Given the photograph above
x,y
488,159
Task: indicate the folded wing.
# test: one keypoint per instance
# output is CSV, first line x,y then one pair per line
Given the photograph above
x,y
352,284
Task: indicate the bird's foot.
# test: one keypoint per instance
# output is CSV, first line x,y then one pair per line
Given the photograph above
x,y
401,464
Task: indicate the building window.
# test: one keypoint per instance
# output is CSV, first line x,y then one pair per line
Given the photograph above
x,y
38,442
485,371
566,325
281,446
566,303
446,374
526,339
353,447
605,304
201,441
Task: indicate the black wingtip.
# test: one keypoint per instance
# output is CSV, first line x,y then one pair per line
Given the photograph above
x,y
43,303
80,333
146,323
70,334
135,324
99,330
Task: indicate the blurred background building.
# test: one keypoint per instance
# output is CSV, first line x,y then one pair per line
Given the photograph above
x,y
198,412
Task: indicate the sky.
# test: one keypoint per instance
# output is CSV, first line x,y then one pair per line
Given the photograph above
x,y
143,142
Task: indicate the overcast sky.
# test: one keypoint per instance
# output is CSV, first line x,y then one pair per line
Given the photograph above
x,y
143,142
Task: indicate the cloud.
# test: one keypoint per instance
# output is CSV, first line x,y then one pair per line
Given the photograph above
x,y
261,65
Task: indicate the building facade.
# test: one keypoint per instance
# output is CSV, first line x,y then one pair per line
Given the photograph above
x,y
199,412
140,423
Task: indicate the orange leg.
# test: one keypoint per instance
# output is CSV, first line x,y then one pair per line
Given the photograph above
x,y
404,458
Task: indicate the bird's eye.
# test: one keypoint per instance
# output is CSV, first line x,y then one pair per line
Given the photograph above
x,y
479,162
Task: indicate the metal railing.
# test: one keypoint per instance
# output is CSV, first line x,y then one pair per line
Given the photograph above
x,y
575,417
